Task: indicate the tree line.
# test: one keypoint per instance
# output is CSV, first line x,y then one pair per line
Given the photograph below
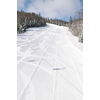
x,y
76,25
56,21
26,20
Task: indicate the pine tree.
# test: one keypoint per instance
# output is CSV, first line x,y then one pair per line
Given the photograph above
x,y
70,21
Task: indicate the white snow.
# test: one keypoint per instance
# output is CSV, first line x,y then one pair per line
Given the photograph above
x,y
50,64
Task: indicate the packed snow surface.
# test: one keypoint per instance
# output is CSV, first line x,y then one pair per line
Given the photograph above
x,y
50,64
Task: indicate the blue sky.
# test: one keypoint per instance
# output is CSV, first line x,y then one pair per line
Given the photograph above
x,y
81,2
60,9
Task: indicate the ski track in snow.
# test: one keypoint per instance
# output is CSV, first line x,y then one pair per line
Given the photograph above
x,y
39,51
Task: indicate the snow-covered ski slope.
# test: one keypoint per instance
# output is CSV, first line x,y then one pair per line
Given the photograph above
x,y
50,65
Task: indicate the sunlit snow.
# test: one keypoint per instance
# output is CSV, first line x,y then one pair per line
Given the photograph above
x,y
50,64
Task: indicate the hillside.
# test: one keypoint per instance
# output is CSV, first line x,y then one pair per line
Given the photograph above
x,y
27,20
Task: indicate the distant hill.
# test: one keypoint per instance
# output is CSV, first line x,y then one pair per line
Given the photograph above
x,y
57,22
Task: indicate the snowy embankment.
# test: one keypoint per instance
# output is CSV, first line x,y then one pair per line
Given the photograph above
x,y
50,64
